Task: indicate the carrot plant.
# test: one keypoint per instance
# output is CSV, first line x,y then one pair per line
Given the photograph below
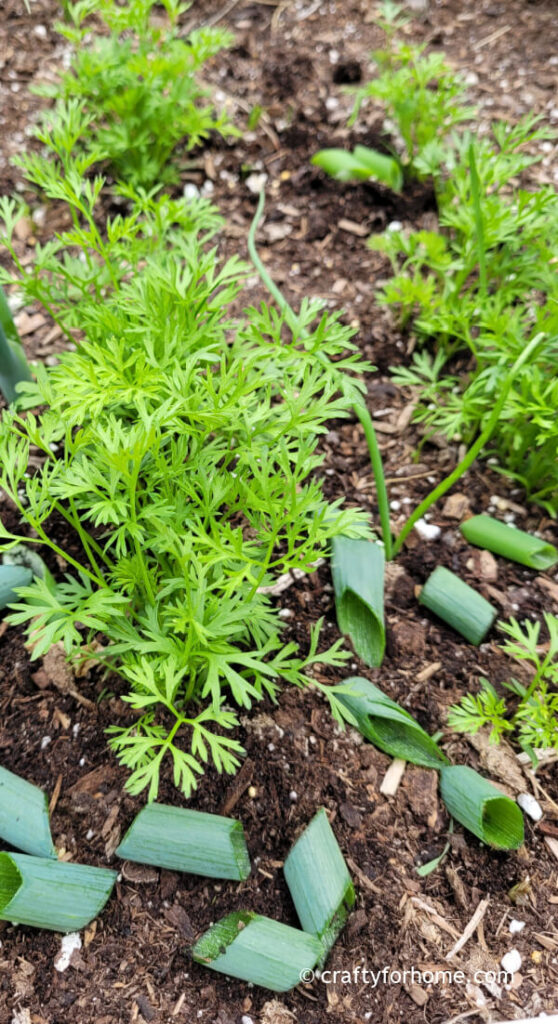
x,y
179,446
134,80
534,720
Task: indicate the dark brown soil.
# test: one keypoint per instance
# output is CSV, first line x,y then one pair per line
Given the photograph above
x,y
292,58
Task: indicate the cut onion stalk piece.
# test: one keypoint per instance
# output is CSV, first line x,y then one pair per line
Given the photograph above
x,y
357,569
24,821
51,894
258,950
388,726
517,545
454,601
319,882
12,577
185,840
481,807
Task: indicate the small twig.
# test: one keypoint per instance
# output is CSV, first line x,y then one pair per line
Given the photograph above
x,y
470,928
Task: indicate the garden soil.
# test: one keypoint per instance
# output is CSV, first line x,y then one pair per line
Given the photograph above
x,y
286,71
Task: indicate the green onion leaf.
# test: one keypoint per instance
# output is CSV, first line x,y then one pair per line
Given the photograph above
x,y
185,840
13,364
357,569
458,604
517,545
51,894
24,821
256,949
361,165
319,882
12,577
388,726
481,807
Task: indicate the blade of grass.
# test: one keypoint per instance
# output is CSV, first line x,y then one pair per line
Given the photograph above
x,y
388,726
481,807
357,568
426,869
24,821
258,950
319,882
454,601
13,364
186,840
51,894
517,545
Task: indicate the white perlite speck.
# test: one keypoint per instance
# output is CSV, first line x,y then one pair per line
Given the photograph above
x,y
69,944
516,926
427,531
531,806
511,962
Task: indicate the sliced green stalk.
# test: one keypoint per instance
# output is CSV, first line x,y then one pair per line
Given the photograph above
x,y
319,882
12,577
517,545
358,579
256,949
51,894
388,726
185,840
454,601
13,364
482,808
360,165
24,821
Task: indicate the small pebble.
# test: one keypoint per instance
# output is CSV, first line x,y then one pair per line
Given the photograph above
x,y
427,531
293,796
191,191
511,962
516,926
531,806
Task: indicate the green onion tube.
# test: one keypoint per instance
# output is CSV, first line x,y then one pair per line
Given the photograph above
x,y
51,894
517,545
454,601
482,808
319,882
357,569
12,577
186,840
258,950
24,821
388,726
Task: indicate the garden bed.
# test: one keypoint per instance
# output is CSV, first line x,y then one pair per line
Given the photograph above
x,y
135,961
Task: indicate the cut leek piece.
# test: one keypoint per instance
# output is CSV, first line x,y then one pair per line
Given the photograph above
x,y
12,577
482,808
319,882
517,545
24,819
357,569
185,840
51,894
388,726
458,604
256,949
